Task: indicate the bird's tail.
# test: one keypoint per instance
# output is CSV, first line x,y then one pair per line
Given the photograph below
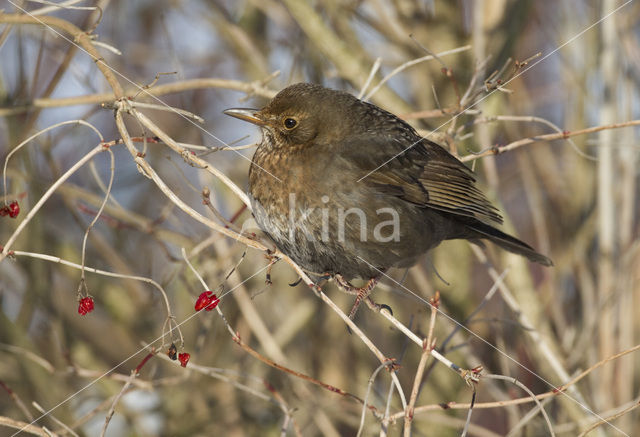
x,y
507,242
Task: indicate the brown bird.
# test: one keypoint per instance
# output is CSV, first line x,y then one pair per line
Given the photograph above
x,y
349,190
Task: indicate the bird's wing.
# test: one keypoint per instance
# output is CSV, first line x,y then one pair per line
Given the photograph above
x,y
425,174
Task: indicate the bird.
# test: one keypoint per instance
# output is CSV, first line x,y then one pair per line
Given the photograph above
x,y
348,190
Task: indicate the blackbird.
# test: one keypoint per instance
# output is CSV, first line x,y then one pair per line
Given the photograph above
x,y
348,190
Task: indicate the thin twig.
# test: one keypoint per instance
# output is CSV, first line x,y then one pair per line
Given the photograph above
x,y
24,427
417,380
98,214
532,119
372,379
529,392
524,400
64,426
55,259
159,90
609,419
37,134
89,156
546,137
79,37
134,373
411,64
372,74
18,401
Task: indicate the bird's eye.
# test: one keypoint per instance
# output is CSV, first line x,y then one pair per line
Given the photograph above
x,y
290,123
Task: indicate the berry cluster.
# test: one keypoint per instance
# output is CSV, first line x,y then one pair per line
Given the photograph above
x,y
182,357
85,305
12,210
207,301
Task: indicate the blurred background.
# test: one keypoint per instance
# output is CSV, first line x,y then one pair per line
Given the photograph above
x,y
573,199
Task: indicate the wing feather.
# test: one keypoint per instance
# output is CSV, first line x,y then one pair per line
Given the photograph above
x,y
426,175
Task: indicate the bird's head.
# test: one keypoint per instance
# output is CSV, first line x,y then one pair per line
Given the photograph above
x,y
304,114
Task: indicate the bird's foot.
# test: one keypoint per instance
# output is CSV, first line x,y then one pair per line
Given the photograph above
x,y
361,293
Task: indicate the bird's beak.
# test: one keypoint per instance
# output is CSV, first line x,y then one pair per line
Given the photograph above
x,y
246,114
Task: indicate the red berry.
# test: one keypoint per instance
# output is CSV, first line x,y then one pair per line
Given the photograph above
x,y
4,211
85,306
14,209
184,359
207,300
